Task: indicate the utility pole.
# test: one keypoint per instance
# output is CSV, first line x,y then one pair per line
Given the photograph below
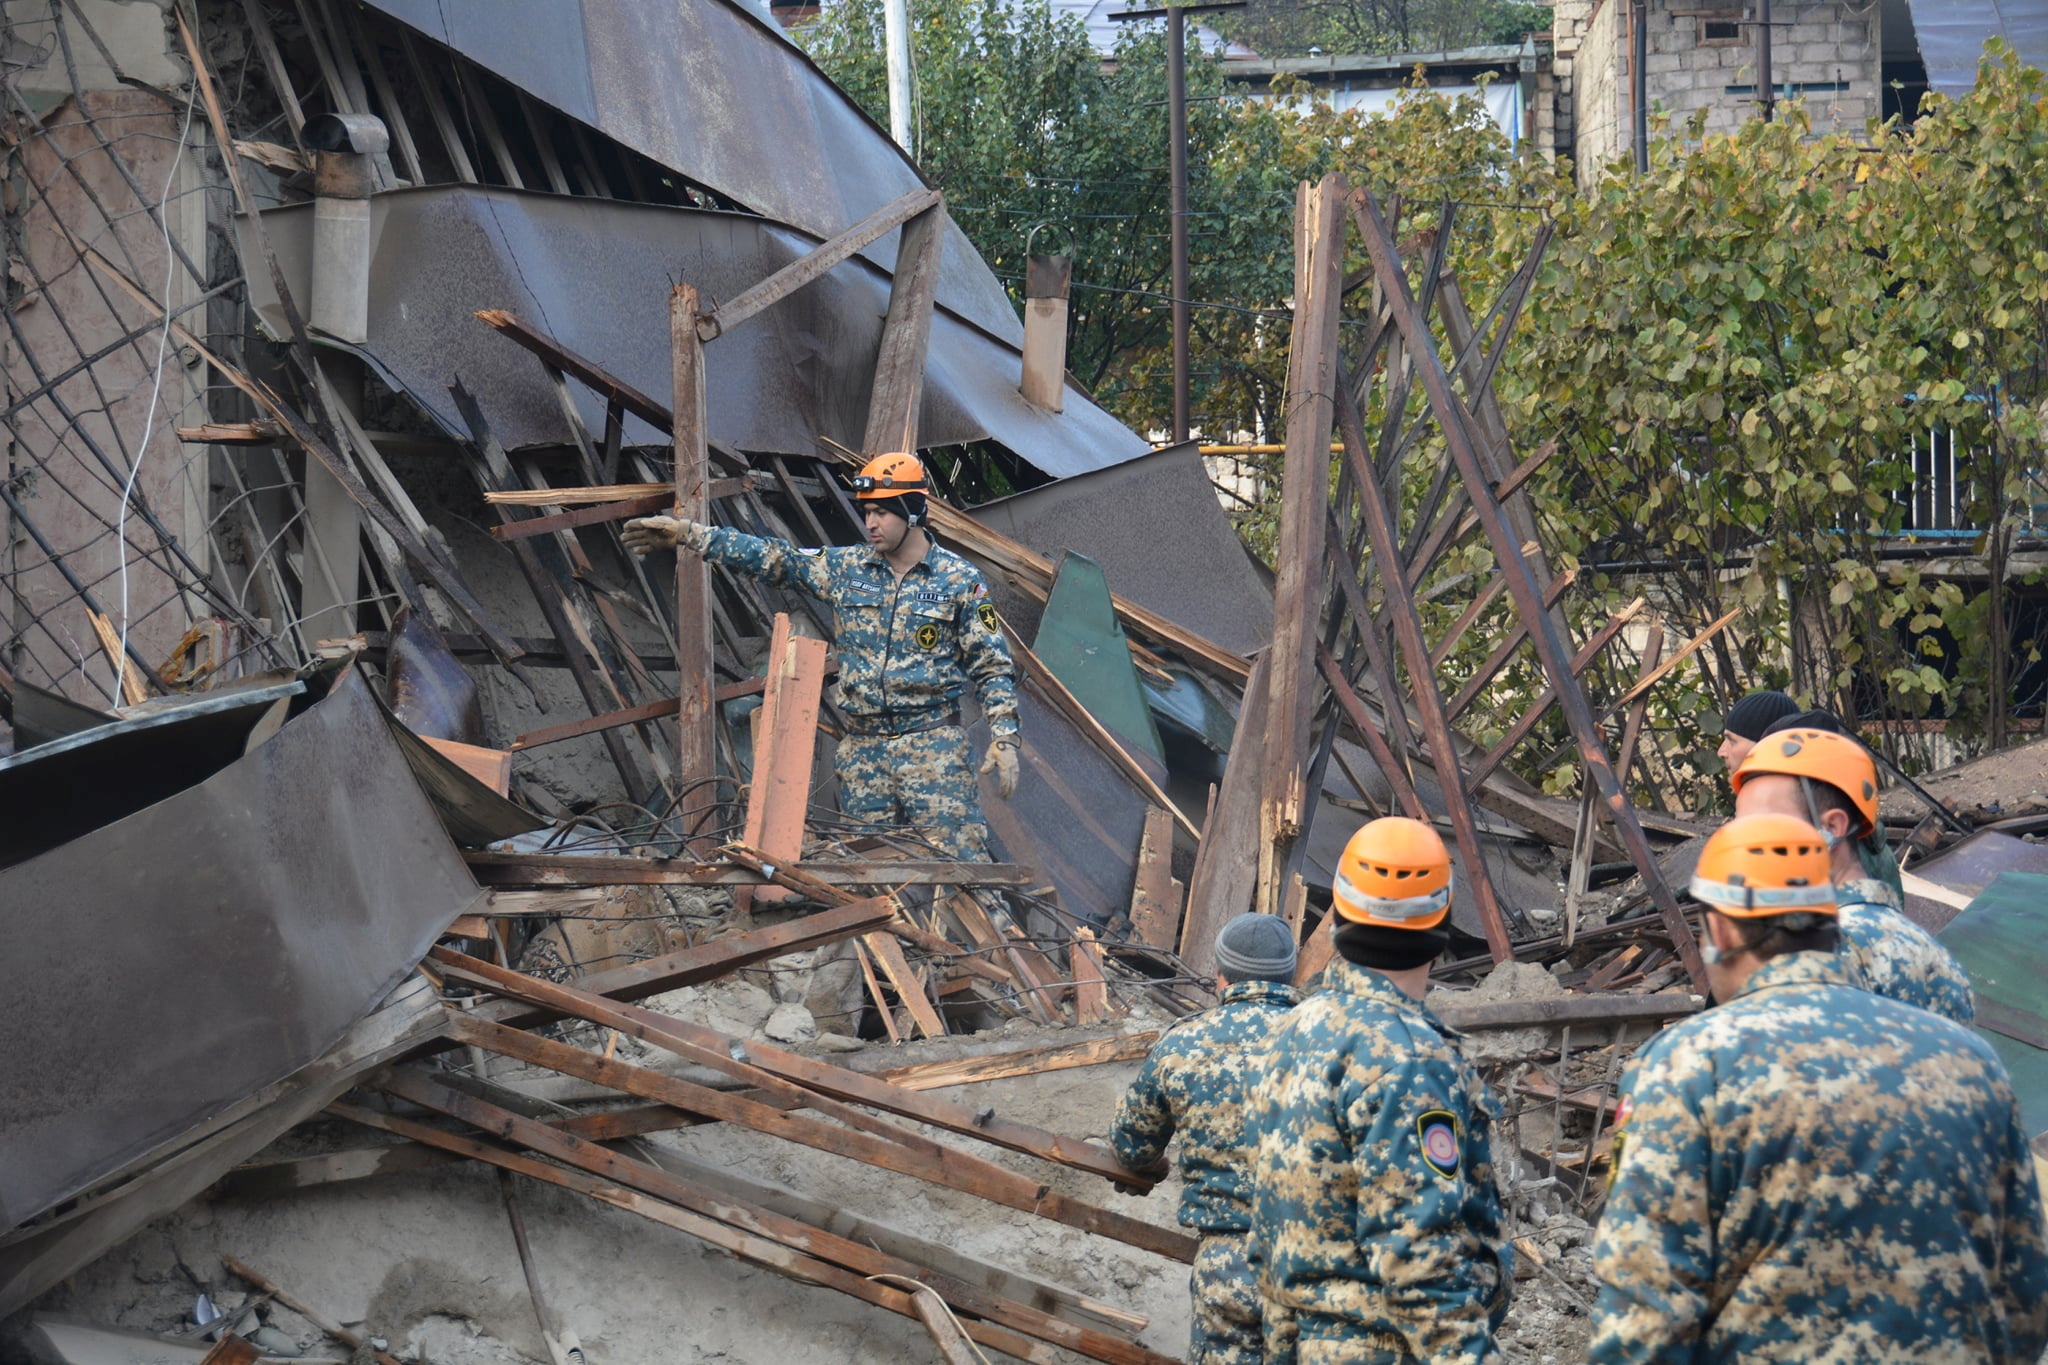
x,y
896,50
1177,174
1639,81
1766,88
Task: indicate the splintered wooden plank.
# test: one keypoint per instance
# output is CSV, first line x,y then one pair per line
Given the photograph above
x,y
1227,864
1155,899
751,1234
822,1077
910,984
898,1150
874,985
492,767
1091,989
720,957
697,756
1317,952
780,794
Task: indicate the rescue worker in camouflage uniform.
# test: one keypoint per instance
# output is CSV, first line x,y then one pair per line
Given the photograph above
x,y
1811,1171
915,627
1195,1083
1829,781
1375,1215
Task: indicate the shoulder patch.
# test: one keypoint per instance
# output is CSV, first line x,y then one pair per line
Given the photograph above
x,y
980,589
989,620
1442,1141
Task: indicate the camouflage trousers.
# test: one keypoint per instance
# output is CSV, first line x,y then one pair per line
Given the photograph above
x,y
1224,1329
1285,1345
924,782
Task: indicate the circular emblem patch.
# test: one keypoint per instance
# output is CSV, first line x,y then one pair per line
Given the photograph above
x,y
987,612
927,636
1438,1130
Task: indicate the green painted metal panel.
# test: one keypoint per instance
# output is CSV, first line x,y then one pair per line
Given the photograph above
x,y
2001,939
1082,642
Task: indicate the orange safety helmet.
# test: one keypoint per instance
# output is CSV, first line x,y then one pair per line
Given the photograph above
x,y
1818,756
1396,873
890,476
1759,865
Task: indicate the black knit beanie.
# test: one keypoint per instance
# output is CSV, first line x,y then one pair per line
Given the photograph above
x,y
1380,948
1751,717
1809,720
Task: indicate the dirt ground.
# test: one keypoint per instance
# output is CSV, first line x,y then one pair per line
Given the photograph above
x,y
2008,783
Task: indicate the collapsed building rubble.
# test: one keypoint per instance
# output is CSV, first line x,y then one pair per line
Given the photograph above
x,y
416,827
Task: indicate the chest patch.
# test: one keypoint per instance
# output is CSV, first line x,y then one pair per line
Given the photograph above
x,y
927,636
1442,1142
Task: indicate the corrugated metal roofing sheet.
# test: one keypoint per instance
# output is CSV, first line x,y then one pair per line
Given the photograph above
x,y
1952,34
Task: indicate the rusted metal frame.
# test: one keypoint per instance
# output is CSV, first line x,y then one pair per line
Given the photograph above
x,y
437,109
1579,877
1379,658
1407,623
380,81
817,262
493,468
450,585
1319,237
1523,584
1354,710
543,148
697,751
618,655
342,39
1547,698
737,1227
595,515
826,881
144,510
1502,652
589,373
893,401
780,468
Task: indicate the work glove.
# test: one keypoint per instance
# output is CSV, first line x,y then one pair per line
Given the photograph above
x,y
1155,1174
643,534
1002,761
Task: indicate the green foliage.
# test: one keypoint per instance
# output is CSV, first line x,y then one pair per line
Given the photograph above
x,y
1289,28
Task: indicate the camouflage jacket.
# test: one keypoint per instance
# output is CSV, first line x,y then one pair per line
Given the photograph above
x,y
1889,954
1813,1172
1374,1207
906,647
1196,1083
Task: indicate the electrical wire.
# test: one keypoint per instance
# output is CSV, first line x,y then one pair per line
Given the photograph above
x,y
156,388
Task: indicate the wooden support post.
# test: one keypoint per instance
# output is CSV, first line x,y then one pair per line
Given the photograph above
x,y
779,795
1155,895
816,263
698,749
1305,491
899,368
874,985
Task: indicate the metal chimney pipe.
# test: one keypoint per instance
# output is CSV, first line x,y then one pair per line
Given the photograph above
x,y
1046,279
345,148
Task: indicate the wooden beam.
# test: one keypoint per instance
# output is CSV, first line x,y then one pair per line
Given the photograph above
x,y
779,795
815,263
1227,863
720,957
697,756
1091,989
890,1149
899,367
911,987
755,1233
1155,899
549,870
1319,237
834,1081
1546,699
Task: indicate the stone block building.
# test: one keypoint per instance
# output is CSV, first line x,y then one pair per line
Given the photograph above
x,y
1702,56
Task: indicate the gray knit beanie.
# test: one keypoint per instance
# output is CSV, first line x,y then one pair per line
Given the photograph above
x,y
1256,948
